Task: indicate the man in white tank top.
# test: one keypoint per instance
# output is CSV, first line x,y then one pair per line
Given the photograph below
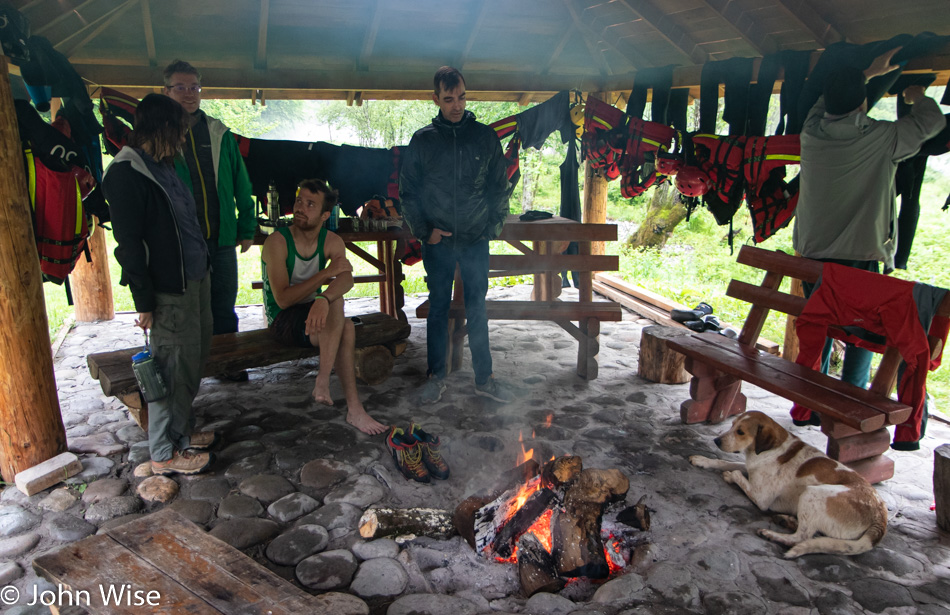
x,y
298,262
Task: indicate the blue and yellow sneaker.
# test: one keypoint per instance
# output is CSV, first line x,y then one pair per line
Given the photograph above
x,y
407,454
431,457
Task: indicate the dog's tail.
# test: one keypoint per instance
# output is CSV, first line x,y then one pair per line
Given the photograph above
x,y
824,544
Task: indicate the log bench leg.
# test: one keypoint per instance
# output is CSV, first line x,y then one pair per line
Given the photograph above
x,y
138,407
714,396
588,349
862,452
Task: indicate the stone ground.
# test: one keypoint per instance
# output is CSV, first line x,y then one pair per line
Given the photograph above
x,y
291,480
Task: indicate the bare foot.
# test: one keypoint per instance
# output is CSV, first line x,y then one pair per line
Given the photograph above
x,y
321,394
364,422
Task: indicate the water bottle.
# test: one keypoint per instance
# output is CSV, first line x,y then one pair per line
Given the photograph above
x,y
273,207
333,222
147,375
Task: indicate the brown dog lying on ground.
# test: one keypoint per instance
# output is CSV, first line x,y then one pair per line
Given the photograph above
x,y
788,476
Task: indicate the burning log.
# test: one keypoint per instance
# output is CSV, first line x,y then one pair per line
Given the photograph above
x,y
536,567
578,545
432,522
491,518
537,503
464,516
637,516
559,471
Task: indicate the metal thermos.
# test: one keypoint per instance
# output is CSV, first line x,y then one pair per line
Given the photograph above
x,y
273,206
147,375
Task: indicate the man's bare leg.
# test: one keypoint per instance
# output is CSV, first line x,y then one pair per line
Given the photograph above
x,y
329,342
346,369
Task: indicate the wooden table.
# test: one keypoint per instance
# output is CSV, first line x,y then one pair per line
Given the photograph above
x,y
544,260
172,566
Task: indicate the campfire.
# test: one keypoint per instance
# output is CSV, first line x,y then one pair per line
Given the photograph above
x,y
550,523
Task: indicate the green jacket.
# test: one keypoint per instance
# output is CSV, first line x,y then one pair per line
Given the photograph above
x,y
238,219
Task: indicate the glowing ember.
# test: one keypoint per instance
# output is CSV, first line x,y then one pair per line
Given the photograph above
x,y
548,419
615,560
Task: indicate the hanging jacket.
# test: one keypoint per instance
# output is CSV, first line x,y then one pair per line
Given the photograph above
x,y
881,305
638,165
453,178
238,221
721,159
604,137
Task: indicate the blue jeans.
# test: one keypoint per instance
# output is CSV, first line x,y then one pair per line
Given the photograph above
x,y
856,367
439,261
224,282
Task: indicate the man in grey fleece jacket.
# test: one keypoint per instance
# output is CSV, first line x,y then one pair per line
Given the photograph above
x,y
847,208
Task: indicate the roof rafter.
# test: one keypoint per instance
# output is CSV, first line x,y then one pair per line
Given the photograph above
x,y
260,60
149,33
677,36
589,38
97,26
559,48
616,42
482,12
369,39
68,13
801,11
744,25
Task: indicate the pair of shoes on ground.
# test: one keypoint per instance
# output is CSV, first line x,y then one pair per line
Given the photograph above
x,y
493,389
417,454
698,319
813,419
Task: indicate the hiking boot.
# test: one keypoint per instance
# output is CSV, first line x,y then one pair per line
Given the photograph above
x,y
431,457
708,322
813,419
697,313
183,462
407,454
494,389
203,440
432,390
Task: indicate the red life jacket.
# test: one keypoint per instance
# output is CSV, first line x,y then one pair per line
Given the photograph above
x,y
638,164
602,142
770,200
118,117
504,128
721,159
59,222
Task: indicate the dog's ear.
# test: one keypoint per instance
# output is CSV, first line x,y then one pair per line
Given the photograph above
x,y
766,438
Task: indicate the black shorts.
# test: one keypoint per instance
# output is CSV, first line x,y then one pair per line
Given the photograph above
x,y
289,327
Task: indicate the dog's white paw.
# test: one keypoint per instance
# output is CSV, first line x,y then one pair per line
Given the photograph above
x,y
699,461
732,476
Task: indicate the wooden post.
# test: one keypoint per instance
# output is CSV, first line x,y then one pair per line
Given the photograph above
x,y
942,486
29,409
91,283
595,203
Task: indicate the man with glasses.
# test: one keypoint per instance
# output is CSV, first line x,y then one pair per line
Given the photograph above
x,y
214,170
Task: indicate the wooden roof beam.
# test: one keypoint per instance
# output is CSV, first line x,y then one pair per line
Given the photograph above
x,y
744,25
97,26
805,16
149,34
559,48
54,21
613,40
482,12
677,36
260,61
369,39
589,39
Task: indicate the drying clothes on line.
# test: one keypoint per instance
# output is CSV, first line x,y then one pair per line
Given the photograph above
x,y
736,74
360,173
841,54
795,65
881,305
285,163
910,176
536,124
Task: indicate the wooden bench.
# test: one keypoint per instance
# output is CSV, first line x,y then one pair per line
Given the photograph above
x,y
169,565
854,419
379,339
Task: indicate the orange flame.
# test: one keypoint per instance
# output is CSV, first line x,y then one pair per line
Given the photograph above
x,y
548,419
525,454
